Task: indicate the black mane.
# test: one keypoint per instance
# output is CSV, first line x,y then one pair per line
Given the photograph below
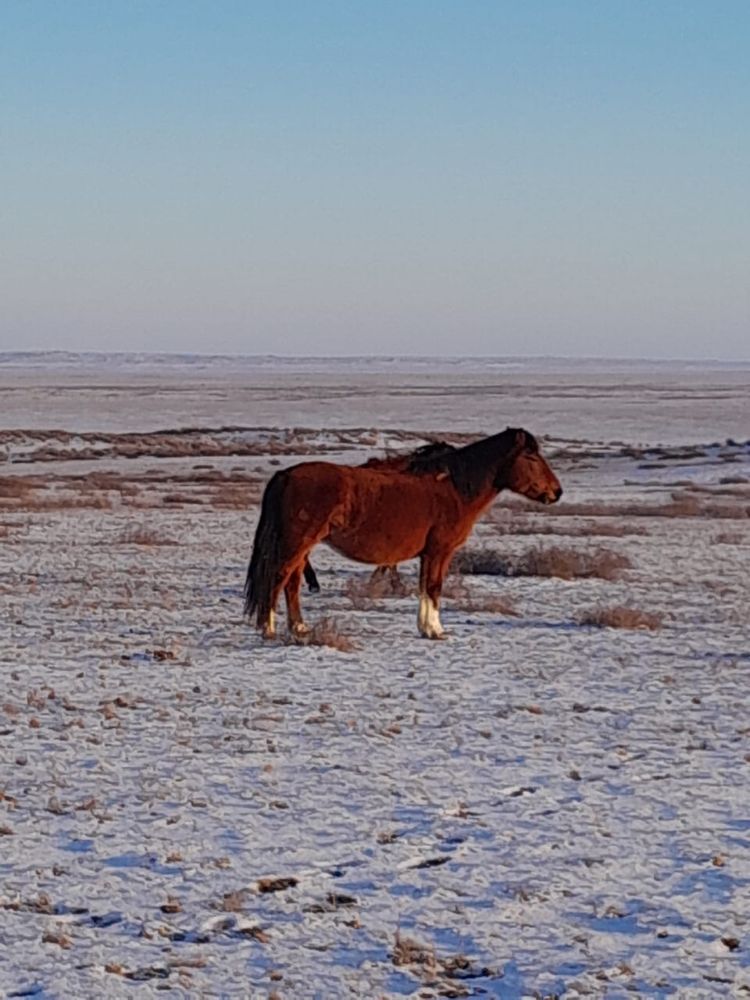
x,y
472,467
432,450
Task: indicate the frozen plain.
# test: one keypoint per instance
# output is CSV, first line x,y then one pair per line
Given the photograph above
x,y
534,808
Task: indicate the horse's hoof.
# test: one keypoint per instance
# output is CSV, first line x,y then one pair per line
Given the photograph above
x,y
300,629
435,635
314,588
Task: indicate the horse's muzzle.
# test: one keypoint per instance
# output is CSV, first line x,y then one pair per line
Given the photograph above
x,y
553,497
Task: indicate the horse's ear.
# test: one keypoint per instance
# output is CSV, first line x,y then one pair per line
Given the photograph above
x,y
520,441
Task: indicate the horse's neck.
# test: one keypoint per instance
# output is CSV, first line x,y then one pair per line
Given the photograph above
x,y
483,500
476,468
473,507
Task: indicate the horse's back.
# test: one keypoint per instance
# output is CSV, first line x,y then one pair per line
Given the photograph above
x,y
321,483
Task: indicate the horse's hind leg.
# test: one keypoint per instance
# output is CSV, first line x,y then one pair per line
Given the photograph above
x,y
288,579
432,570
299,520
291,593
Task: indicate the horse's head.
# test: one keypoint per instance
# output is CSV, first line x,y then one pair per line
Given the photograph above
x,y
528,473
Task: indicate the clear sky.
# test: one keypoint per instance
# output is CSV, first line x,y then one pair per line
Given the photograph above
x,y
567,177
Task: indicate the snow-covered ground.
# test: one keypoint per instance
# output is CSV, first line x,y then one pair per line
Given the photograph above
x,y
533,808
640,402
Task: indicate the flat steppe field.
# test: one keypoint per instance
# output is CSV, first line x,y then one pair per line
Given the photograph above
x,y
555,802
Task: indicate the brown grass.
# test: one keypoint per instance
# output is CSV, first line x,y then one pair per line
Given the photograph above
x,y
481,562
681,504
570,564
48,493
325,633
586,529
276,884
557,561
14,487
202,489
101,480
140,534
181,499
236,494
234,902
407,951
620,617
464,598
730,538
444,973
362,592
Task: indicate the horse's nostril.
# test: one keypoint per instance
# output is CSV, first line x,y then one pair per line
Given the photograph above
x,y
558,492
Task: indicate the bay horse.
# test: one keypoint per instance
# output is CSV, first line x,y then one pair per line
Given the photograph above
x,y
384,517
397,463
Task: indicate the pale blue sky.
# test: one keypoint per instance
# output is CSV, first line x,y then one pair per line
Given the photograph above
x,y
425,177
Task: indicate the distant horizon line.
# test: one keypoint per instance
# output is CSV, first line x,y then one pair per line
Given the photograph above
x,y
384,356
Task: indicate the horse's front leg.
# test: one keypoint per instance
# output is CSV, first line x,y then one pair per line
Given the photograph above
x,y
293,610
432,570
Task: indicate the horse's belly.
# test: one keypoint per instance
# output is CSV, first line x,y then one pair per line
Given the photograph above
x,y
368,548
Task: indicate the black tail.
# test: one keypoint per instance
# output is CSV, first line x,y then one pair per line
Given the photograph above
x,y
265,561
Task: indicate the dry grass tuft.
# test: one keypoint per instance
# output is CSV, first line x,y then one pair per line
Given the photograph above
x,y
325,633
358,594
237,494
181,499
621,617
386,581
276,883
383,582
570,564
730,538
445,974
234,902
49,493
493,605
557,561
463,598
481,562
407,951
681,504
574,529
14,487
607,529
140,534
